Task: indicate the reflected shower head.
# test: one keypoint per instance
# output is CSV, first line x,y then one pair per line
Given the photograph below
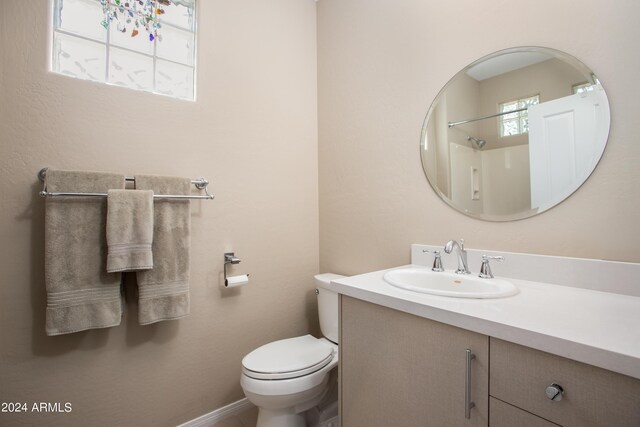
x,y
479,142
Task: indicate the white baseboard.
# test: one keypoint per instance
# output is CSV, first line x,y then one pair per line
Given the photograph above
x,y
213,417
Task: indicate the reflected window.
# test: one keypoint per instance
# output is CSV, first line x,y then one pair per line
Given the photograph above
x,y
516,119
581,88
121,52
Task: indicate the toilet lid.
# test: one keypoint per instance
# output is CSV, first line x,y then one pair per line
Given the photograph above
x,y
289,358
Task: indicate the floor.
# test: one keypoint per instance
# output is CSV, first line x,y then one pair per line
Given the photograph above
x,y
245,419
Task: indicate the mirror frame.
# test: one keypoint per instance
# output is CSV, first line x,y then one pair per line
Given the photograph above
x,y
531,212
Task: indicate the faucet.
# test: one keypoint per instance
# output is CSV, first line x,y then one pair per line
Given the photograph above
x,y
462,255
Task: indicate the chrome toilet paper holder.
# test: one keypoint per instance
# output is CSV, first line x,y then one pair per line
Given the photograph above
x,y
229,258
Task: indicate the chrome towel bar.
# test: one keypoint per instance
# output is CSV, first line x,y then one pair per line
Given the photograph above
x,y
200,184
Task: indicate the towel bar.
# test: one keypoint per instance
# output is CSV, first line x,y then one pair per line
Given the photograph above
x,y
200,184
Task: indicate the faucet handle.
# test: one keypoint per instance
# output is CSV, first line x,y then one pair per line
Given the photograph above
x,y
485,268
461,244
437,262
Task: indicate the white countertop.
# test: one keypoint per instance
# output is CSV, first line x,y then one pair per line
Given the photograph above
x,y
598,328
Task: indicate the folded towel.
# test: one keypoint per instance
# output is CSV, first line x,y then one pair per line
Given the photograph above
x,y
80,293
129,230
163,292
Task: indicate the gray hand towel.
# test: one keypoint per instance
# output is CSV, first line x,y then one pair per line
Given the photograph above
x,y
163,292
129,230
80,293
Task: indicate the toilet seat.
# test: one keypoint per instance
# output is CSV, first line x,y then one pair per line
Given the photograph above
x,y
288,358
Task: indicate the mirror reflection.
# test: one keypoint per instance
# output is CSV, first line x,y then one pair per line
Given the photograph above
x,y
515,133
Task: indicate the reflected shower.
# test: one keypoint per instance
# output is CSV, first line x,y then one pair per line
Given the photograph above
x,y
479,142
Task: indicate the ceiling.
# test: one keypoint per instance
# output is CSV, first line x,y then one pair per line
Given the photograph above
x,y
504,63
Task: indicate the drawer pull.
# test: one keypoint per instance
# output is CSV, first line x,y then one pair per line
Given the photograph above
x,y
468,404
554,392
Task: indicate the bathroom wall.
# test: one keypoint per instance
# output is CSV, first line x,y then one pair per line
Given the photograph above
x,y
381,64
252,132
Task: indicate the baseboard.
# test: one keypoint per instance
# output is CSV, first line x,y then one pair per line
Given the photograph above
x,y
213,417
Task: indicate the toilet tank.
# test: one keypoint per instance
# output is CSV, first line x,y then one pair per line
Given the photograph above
x,y
327,306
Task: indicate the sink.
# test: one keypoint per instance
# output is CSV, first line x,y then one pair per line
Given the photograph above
x,y
449,284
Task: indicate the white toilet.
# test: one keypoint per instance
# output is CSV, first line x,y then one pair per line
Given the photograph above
x,y
288,377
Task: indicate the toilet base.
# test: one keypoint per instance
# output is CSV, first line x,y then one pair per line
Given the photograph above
x,y
325,414
280,418
292,416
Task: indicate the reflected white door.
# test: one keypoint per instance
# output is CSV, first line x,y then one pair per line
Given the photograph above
x,y
563,149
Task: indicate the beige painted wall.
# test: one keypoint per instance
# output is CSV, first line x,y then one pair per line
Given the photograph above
x,y
380,66
252,132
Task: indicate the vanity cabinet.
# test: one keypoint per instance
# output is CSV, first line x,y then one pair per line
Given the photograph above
x,y
398,369
592,396
502,414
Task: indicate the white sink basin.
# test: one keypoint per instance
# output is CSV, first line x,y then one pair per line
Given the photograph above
x,y
449,284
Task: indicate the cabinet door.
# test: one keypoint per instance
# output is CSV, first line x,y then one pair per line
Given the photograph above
x,y
398,369
593,397
504,415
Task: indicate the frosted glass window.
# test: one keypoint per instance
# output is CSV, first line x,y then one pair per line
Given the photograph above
x,y
173,79
177,45
124,40
181,16
83,48
80,58
581,88
517,121
130,69
79,17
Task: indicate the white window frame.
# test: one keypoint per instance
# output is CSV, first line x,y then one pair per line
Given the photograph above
x,y
56,8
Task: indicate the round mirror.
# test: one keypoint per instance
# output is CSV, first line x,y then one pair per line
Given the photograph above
x,y
515,133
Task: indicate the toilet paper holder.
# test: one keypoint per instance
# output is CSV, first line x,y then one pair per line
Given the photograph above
x,y
229,258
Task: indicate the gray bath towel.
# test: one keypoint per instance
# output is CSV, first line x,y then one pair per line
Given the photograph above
x,y
129,230
80,293
163,292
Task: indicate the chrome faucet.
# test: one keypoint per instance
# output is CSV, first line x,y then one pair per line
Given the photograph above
x,y
462,255
485,268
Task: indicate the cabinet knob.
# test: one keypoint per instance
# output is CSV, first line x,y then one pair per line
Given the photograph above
x,y
554,392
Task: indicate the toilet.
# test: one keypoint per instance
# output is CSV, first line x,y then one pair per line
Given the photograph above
x,y
286,378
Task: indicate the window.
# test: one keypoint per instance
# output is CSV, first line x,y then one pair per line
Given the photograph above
x,y
581,88
517,122
154,55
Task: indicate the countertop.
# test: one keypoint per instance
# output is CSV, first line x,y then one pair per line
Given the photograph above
x,y
594,327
